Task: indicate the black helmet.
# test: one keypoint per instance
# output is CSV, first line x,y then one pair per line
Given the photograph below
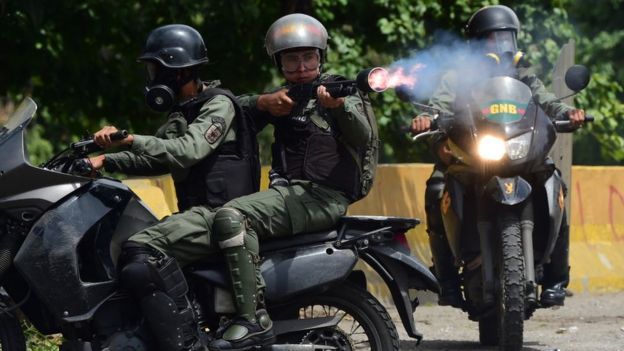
x,y
175,46
492,18
172,55
494,29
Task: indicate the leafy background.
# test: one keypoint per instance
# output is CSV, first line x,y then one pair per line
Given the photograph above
x,y
77,59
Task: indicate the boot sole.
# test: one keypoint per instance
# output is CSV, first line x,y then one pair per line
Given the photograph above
x,y
266,341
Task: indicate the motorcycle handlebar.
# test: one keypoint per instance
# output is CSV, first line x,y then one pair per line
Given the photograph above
x,y
118,135
565,124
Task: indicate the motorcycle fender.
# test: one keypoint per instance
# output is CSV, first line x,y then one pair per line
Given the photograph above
x,y
452,208
296,271
401,272
508,191
555,195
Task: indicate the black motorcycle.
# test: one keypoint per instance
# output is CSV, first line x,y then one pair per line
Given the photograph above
x,y
503,202
60,238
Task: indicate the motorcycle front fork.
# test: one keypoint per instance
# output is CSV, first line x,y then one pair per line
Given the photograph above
x,y
486,229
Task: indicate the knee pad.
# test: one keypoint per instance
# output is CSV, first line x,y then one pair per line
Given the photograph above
x,y
229,227
146,270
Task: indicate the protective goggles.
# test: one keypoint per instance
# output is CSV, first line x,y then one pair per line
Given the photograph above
x,y
292,61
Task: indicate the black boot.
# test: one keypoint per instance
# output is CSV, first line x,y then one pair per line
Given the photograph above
x,y
554,295
241,334
160,287
445,271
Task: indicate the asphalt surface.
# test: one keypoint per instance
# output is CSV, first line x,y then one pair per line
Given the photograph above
x,y
586,323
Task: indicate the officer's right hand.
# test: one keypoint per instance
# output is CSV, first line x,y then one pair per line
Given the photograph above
x,y
421,124
277,103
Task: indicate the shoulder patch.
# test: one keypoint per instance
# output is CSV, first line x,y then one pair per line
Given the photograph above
x,y
216,130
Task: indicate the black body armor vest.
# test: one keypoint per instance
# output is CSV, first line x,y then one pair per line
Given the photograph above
x,y
233,170
308,147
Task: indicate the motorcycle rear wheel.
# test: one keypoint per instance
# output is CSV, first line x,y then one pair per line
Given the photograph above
x,y
511,287
11,334
365,323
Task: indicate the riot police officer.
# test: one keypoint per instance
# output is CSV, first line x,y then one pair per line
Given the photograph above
x,y
204,140
324,155
492,31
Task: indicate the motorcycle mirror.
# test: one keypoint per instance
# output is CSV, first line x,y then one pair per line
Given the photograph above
x,y
577,77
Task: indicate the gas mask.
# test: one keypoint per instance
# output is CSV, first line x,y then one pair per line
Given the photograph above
x,y
162,87
501,51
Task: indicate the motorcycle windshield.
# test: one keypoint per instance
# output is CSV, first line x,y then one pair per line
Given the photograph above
x,y
11,135
503,102
18,120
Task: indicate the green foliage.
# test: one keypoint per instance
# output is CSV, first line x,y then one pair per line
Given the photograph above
x,y
36,341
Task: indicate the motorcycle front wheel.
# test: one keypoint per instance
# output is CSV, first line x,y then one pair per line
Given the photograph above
x,y
364,322
511,287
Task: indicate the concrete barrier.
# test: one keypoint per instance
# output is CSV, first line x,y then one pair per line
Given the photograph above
x,y
596,217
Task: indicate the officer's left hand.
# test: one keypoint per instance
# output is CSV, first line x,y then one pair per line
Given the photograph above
x,y
576,117
97,162
102,138
327,100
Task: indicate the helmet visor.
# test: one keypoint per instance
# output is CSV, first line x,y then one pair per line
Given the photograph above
x,y
500,42
292,61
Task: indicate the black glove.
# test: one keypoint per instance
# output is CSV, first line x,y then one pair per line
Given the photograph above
x,y
276,179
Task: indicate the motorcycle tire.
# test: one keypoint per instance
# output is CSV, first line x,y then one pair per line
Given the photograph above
x,y
11,334
365,314
510,297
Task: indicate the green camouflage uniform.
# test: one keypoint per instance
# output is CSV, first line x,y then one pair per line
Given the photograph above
x,y
175,148
303,206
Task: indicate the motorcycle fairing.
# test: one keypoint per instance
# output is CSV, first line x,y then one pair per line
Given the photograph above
x,y
502,99
21,183
297,271
555,195
50,261
508,191
401,272
452,208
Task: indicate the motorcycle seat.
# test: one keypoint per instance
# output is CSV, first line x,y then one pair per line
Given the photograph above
x,y
285,242
376,222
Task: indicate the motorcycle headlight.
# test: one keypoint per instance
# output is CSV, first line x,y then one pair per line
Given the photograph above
x,y
518,147
491,148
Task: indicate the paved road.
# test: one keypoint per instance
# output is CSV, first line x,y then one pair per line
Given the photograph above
x,y
585,323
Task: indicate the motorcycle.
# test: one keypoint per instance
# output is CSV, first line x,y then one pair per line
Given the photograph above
x,y
503,201
61,236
